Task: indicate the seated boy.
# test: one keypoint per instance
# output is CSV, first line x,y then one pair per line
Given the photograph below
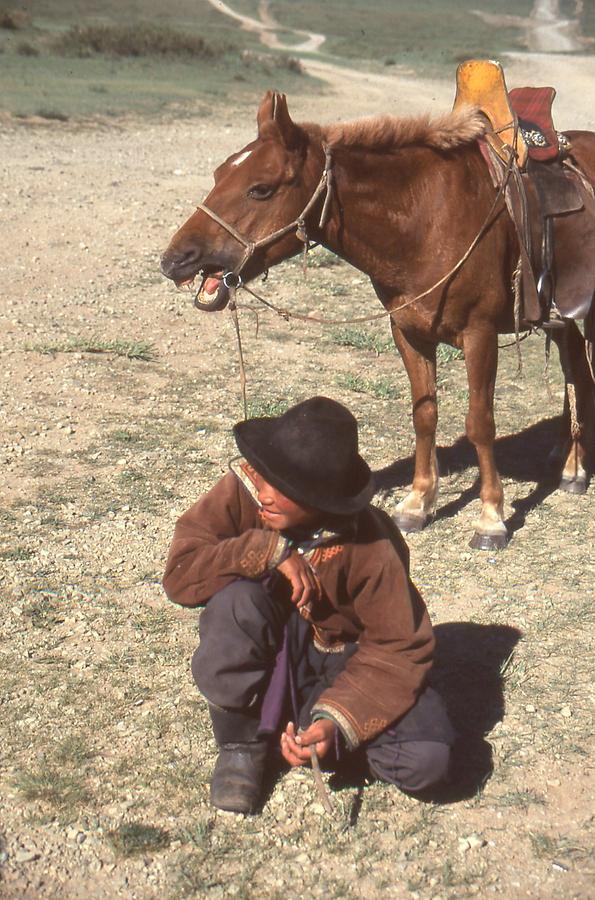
x,y
312,628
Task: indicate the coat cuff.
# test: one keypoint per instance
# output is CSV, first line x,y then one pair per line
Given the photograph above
x,y
344,723
280,552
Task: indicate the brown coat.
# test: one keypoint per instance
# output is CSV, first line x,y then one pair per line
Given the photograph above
x,y
367,597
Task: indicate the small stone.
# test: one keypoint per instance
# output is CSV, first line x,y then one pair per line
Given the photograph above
x,y
23,856
317,809
475,841
529,707
566,712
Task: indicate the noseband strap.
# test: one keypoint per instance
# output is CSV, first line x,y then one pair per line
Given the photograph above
x,y
298,225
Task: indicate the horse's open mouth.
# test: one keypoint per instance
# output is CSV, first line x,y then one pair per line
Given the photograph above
x,y
212,294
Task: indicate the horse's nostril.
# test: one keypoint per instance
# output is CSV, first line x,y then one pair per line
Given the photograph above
x,y
174,262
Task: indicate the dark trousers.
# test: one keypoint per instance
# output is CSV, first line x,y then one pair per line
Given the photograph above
x,y
241,631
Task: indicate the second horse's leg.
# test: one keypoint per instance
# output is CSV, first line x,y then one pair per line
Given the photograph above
x,y
481,359
412,513
577,417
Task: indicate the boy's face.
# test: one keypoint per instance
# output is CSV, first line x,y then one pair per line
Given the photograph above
x,y
278,511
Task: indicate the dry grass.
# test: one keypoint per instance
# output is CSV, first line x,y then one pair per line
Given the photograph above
x,y
137,40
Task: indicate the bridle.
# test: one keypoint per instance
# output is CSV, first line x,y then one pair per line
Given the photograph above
x,y
233,279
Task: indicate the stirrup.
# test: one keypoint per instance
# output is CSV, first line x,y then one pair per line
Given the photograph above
x,y
554,322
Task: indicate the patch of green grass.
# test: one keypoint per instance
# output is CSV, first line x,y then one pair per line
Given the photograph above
x,y
60,790
72,750
17,554
198,834
321,258
383,389
135,838
122,436
262,406
339,290
130,349
190,876
445,353
521,798
43,613
545,847
361,339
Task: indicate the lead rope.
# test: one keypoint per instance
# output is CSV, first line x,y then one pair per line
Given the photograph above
x,y
233,309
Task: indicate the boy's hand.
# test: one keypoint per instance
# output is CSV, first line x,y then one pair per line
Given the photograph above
x,y
305,587
296,748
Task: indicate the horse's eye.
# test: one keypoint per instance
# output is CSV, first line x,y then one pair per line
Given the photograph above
x,y
261,191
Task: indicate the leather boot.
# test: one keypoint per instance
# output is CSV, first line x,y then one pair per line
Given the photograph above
x,y
236,783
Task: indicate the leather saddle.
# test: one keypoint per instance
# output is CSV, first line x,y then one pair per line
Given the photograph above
x,y
541,187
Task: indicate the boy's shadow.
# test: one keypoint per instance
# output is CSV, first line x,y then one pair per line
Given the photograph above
x,y
468,672
470,663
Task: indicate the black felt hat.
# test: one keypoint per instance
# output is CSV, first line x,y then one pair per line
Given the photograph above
x,y
310,454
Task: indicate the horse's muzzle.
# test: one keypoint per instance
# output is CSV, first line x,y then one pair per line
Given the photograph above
x,y
182,268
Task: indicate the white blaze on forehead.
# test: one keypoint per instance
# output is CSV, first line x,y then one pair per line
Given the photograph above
x,y
241,157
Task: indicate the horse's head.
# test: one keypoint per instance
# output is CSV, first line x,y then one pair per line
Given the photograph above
x,y
258,191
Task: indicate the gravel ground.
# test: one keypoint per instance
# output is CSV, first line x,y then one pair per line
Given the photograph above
x,y
116,401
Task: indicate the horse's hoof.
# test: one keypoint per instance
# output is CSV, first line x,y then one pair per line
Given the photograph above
x,y
481,541
573,485
409,524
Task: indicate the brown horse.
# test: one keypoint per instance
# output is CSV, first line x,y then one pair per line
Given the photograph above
x,y
402,200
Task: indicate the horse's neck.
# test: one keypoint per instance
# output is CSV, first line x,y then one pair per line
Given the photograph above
x,y
376,196
386,205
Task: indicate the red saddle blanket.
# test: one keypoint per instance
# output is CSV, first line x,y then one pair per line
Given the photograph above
x,y
533,107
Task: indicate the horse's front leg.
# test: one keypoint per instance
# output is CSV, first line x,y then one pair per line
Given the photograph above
x,y
412,513
481,360
577,419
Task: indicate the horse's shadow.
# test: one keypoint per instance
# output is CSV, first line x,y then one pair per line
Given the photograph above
x,y
470,660
522,456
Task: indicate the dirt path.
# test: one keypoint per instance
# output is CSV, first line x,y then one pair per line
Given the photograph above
x,y
267,27
545,30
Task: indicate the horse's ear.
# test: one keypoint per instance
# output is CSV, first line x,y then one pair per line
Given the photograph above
x,y
265,112
274,120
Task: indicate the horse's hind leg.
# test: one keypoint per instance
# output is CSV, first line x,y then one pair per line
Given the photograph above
x,y
577,418
481,359
420,361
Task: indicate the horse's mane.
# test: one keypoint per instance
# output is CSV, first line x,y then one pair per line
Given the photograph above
x,y
386,133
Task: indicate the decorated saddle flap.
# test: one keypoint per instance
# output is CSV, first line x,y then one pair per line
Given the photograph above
x,y
533,107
